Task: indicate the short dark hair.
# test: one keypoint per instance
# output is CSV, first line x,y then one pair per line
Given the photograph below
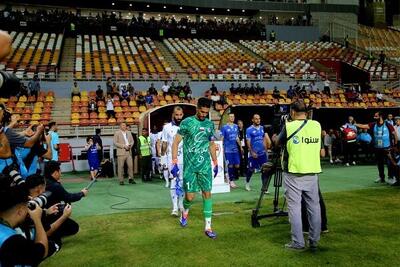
x,y
11,195
50,167
34,180
88,138
204,102
51,124
298,106
145,129
98,131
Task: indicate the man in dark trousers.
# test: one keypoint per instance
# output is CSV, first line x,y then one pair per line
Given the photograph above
x,y
52,173
145,155
97,140
384,137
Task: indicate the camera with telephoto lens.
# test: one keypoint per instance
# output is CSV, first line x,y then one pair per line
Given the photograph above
x,y
61,207
9,84
12,171
40,200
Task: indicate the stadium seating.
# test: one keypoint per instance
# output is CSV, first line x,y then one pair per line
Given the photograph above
x,y
126,110
212,59
121,57
29,110
34,53
295,58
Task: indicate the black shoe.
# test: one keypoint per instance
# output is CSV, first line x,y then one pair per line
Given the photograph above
x,y
131,181
397,183
121,183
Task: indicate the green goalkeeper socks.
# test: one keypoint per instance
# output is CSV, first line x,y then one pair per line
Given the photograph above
x,y
186,204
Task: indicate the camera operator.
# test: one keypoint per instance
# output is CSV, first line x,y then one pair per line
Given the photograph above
x,y
36,184
28,158
302,139
52,173
15,249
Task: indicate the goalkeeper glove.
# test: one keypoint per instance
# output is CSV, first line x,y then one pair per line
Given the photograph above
x,y
175,168
215,169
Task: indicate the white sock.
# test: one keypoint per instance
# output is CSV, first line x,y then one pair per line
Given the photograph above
x,y
174,199
166,175
208,224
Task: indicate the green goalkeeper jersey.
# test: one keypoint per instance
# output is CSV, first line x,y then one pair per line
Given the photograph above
x,y
196,136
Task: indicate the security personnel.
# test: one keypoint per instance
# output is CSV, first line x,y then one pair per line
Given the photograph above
x,y
145,155
301,165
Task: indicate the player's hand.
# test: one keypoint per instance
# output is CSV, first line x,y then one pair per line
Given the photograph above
x,y
254,155
215,169
85,192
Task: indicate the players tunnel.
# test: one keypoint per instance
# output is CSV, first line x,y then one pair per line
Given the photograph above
x,y
157,116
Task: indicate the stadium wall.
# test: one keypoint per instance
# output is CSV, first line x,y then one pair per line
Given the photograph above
x,y
298,33
63,89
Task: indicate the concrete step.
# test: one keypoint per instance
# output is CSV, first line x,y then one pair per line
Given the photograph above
x,y
68,58
258,57
172,60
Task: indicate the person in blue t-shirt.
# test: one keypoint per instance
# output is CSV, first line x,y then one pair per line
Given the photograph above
x,y
232,148
54,140
93,157
258,142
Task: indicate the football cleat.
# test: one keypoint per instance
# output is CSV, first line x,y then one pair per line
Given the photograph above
x,y
209,233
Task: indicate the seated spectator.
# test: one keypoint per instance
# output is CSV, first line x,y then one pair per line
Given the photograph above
x,y
213,89
114,90
327,88
123,90
239,89
252,89
379,96
232,89
246,89
165,88
182,94
131,90
187,89
149,98
99,93
259,90
301,91
178,88
313,88
24,90
223,100
172,88
140,100
92,105
152,90
110,107
215,98
188,94
109,87
276,93
75,90
291,93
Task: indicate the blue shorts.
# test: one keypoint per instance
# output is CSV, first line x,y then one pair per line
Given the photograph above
x,y
232,158
94,165
258,162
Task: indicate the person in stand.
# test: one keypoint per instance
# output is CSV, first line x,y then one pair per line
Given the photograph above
x,y
75,90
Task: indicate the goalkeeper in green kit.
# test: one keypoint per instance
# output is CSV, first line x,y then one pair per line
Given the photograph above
x,y
197,133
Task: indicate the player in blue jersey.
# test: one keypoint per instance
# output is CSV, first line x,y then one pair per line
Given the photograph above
x,y
93,157
258,142
232,148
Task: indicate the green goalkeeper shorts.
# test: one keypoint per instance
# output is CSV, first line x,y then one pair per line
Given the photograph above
x,y
195,181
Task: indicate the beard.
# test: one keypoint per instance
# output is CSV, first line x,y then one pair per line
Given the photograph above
x,y
177,122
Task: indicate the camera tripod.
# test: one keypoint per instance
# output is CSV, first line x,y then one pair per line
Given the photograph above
x,y
277,212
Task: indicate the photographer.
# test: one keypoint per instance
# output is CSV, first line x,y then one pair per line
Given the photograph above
x,y
55,219
15,249
28,158
52,173
302,139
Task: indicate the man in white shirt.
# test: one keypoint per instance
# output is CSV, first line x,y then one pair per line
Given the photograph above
x,y
165,88
168,135
327,88
155,159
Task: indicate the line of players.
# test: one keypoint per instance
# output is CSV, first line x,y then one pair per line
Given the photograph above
x,y
258,142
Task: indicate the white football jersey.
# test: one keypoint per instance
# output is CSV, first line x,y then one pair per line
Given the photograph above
x,y
168,135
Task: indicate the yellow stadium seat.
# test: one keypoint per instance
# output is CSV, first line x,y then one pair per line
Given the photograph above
x,y
142,109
